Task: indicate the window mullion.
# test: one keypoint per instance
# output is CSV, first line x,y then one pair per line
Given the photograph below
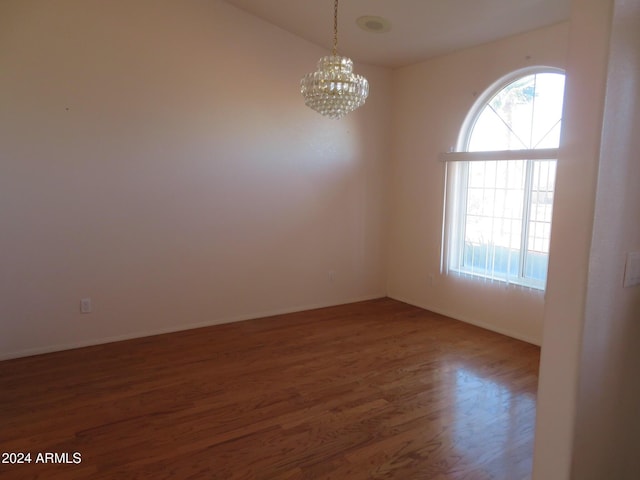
x,y
462,219
526,216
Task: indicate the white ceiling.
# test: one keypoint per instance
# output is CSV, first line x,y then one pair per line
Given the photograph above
x,y
419,28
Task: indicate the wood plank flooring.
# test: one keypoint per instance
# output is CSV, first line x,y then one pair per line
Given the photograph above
x,y
372,390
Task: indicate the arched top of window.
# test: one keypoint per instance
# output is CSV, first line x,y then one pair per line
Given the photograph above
x,y
522,111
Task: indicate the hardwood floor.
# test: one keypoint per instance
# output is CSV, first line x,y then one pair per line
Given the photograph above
x,y
373,390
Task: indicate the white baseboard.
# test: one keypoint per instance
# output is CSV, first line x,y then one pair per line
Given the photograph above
x,y
148,333
471,321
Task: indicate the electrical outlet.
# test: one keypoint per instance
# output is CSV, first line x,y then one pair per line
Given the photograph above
x,y
331,276
85,305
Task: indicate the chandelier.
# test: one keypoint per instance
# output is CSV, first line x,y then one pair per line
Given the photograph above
x,y
334,90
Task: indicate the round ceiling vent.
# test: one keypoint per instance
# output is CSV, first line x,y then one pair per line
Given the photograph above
x,y
373,24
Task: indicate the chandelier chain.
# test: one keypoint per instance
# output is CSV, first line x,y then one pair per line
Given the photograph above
x,y
335,28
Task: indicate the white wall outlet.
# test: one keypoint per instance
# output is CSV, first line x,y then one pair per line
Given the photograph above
x,y
331,276
85,305
632,270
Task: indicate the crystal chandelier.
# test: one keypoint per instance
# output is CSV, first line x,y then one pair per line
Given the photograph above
x,y
334,90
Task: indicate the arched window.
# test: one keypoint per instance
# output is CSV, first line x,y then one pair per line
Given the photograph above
x,y
501,180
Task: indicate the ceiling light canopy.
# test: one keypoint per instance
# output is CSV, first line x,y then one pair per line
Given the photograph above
x,y
334,90
374,24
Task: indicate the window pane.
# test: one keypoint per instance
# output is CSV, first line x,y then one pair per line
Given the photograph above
x,y
493,223
491,260
547,115
537,255
514,105
491,133
536,265
525,114
516,173
502,174
551,138
515,198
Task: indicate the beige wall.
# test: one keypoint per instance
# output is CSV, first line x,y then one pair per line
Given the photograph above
x,y
571,238
607,434
157,157
431,101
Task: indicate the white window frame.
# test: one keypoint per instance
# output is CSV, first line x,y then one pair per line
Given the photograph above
x,y
456,179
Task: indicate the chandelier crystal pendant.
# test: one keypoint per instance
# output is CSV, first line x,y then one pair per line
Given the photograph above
x,y
334,90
